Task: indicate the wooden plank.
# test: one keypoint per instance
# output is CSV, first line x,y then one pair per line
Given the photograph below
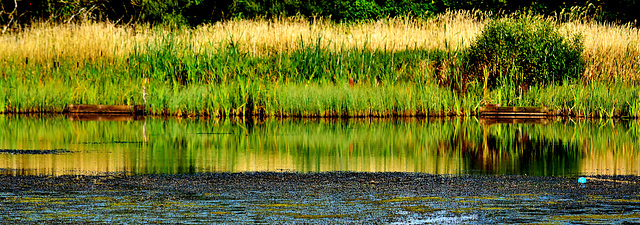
x,y
513,112
105,109
513,109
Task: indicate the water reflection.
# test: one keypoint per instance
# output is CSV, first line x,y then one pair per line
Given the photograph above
x,y
442,146
516,149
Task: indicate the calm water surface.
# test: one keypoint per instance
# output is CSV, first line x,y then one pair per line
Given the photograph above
x,y
62,145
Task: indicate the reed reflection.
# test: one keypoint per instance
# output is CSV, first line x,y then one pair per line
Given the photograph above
x,y
439,146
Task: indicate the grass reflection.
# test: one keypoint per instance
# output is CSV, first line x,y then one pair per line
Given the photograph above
x,y
440,146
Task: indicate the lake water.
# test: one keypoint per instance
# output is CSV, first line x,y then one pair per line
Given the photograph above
x,y
58,145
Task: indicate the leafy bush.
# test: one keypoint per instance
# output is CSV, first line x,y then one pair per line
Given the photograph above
x,y
361,10
525,50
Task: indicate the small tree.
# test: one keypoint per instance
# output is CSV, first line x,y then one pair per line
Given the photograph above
x,y
524,51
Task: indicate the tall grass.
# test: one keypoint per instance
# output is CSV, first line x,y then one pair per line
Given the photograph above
x,y
612,52
295,67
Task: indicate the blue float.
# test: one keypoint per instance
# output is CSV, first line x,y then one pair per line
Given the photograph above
x,y
582,180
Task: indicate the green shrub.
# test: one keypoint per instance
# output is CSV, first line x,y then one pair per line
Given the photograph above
x,y
361,10
524,51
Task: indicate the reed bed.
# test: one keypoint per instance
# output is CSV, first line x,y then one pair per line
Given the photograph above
x,y
43,43
612,52
295,67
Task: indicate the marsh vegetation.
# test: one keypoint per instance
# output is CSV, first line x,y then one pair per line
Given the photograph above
x,y
296,67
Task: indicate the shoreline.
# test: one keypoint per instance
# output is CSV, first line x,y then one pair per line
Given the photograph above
x,y
304,117
267,100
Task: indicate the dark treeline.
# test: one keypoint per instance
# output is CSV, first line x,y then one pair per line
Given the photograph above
x,y
195,12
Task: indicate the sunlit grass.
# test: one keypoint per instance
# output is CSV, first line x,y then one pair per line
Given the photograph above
x,y
612,51
296,67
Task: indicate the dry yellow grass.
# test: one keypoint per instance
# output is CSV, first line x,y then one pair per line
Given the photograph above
x,y
93,40
612,52
449,30
75,42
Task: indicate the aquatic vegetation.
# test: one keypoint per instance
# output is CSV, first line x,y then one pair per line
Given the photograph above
x,y
313,216
596,217
476,209
242,198
626,200
421,209
411,199
280,205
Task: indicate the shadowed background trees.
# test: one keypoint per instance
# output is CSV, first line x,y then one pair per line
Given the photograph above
x,y
195,12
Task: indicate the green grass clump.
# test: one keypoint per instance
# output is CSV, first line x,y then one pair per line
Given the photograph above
x,y
167,59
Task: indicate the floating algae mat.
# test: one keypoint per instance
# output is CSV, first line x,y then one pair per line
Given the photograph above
x,y
60,145
325,198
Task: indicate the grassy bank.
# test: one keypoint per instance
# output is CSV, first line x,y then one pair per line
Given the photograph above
x,y
294,67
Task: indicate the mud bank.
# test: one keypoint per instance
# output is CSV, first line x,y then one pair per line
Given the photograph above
x,y
336,197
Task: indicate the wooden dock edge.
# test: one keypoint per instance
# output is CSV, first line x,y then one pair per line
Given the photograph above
x,y
105,109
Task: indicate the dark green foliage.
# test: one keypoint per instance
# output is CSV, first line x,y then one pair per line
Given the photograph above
x,y
361,9
195,12
525,50
394,8
166,11
337,10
